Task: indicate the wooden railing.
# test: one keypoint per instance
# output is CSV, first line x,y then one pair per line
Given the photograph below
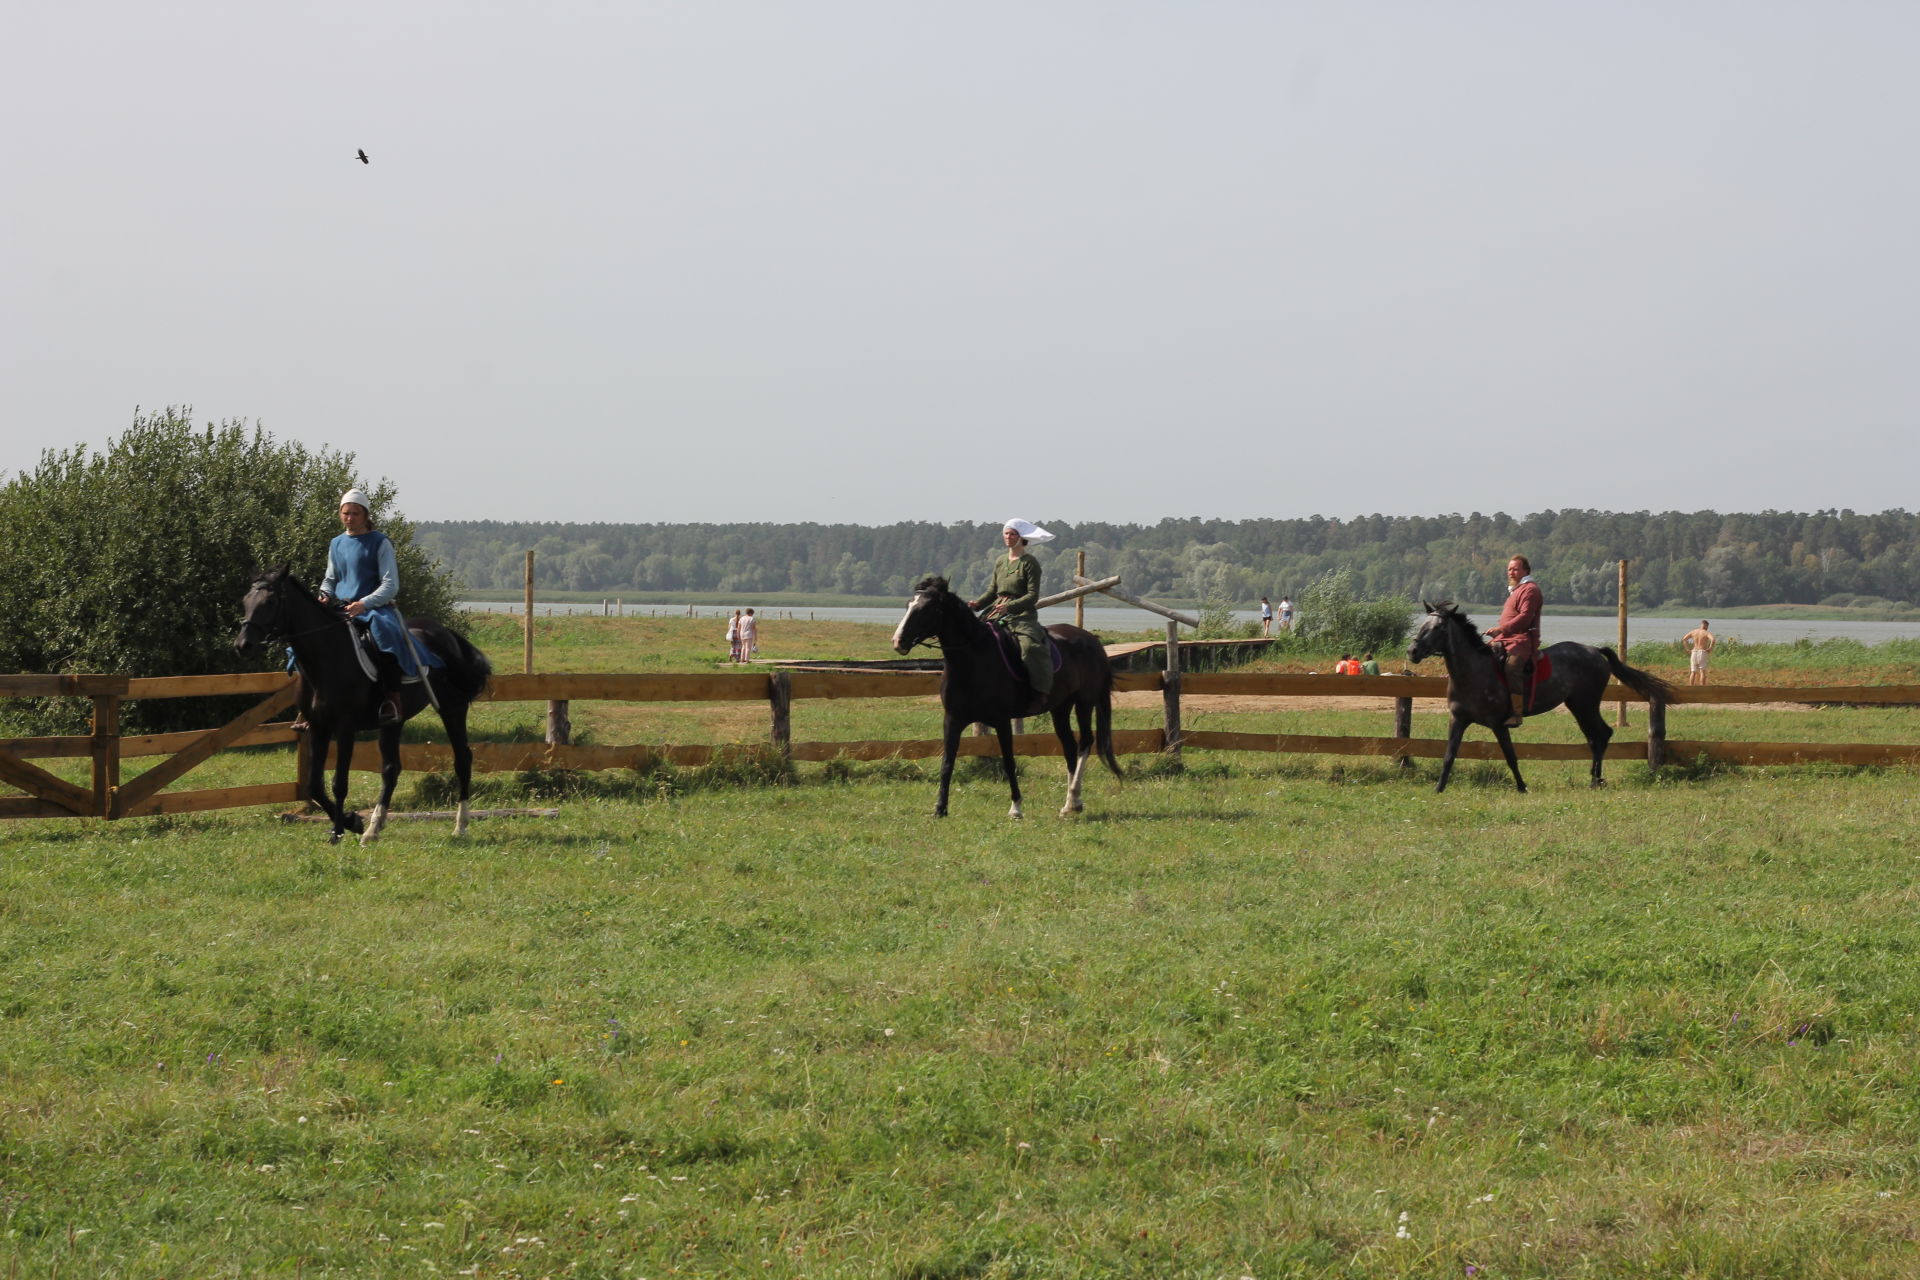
x,y
48,795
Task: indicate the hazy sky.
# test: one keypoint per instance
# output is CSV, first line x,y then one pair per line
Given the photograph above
x,y
888,260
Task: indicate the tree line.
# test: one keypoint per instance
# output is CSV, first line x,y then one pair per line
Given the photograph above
x,y
1700,559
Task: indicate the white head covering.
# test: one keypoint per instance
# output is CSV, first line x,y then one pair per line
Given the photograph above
x,y
359,496
1028,529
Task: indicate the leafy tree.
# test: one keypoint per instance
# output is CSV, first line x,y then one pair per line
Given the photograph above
x,y
133,560
1332,617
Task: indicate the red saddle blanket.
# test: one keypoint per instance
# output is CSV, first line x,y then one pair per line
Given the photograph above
x,y
1542,668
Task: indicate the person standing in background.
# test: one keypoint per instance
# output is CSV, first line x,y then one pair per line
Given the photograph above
x,y
1699,644
749,636
1266,617
733,637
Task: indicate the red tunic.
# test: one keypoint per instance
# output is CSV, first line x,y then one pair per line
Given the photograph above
x,y
1518,631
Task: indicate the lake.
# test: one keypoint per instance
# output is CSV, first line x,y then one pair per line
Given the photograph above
x,y
1588,630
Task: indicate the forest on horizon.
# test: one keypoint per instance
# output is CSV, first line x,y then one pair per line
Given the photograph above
x,y
1696,559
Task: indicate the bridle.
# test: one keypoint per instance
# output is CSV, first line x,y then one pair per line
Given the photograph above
x,y
932,639
275,630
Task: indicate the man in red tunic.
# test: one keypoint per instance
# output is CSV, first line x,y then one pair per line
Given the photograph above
x,y
1516,637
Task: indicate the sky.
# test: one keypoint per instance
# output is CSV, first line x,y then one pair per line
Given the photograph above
x,y
868,261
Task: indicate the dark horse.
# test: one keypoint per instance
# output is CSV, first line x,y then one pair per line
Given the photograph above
x,y
337,698
1477,695
979,685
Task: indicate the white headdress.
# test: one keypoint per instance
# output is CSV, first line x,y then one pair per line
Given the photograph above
x,y
357,495
1028,530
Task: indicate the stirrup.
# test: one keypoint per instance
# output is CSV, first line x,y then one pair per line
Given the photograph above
x,y
390,713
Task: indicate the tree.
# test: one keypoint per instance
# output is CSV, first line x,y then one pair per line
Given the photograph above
x,y
132,560
1333,618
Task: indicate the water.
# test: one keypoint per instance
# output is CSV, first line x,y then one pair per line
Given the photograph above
x,y
1123,620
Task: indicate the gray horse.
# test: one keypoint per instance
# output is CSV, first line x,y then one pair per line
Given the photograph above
x,y
1477,695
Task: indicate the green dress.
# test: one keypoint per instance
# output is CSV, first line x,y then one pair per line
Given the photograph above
x,y
1015,586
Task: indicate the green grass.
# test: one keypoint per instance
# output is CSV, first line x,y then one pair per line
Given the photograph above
x,y
1239,1019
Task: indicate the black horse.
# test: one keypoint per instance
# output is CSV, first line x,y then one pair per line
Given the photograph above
x,y
980,685
1477,695
337,698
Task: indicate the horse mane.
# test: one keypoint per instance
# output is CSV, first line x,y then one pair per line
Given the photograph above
x,y
284,573
1449,612
932,582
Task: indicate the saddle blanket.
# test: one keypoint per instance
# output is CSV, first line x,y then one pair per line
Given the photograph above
x,y
1010,652
1542,669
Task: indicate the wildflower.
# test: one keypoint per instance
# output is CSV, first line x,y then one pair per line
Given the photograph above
x,y
1401,1232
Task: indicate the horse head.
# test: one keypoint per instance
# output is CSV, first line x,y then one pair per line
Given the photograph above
x,y
928,612
1434,634
265,609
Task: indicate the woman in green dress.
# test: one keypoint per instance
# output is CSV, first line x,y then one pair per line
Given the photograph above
x,y
1012,598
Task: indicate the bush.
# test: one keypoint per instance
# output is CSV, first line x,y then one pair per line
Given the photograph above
x,y
1331,618
133,560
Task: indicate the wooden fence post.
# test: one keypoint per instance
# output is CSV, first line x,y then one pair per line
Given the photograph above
x,y
1656,734
780,696
1403,725
526,665
1170,690
1080,602
105,751
1621,719
559,724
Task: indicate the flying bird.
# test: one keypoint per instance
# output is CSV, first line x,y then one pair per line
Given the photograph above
x,y
363,157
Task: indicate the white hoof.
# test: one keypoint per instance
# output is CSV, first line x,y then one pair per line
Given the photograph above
x,y
1014,812
1069,809
460,820
374,824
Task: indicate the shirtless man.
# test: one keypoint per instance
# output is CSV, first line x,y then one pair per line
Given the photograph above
x,y
1699,644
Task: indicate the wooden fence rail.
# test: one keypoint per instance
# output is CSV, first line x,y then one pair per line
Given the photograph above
x,y
47,795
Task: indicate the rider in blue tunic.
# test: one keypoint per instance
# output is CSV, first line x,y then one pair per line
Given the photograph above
x,y
363,572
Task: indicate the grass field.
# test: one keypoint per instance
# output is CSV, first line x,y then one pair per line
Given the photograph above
x,y
1254,1017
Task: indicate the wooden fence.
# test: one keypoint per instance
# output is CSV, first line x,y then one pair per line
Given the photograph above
x,y
48,795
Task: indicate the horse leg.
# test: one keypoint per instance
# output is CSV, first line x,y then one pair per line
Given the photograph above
x,y
344,819
1076,759
1455,732
950,730
1005,730
454,716
317,785
1506,749
1599,734
389,775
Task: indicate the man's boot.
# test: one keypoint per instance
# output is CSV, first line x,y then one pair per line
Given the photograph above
x,y
389,713
1519,711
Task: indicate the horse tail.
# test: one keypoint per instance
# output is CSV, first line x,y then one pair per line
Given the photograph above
x,y
1656,691
468,669
1103,717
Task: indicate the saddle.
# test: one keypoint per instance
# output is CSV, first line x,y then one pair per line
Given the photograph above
x,y
363,647
1009,646
1542,670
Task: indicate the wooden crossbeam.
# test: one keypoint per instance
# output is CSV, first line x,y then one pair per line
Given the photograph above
x,y
132,798
41,785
